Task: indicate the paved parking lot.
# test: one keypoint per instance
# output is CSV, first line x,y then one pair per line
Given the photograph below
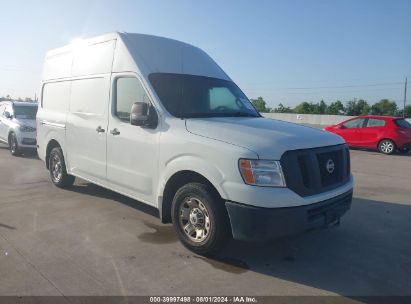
x,y
90,241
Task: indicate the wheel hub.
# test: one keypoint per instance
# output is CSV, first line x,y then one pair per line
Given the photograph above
x,y
194,219
197,217
387,147
56,168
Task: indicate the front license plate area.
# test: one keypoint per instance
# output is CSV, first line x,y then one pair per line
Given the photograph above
x,y
332,219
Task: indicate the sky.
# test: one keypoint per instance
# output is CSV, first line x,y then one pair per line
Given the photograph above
x,y
285,51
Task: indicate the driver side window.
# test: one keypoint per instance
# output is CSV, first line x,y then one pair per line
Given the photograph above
x,y
128,91
355,123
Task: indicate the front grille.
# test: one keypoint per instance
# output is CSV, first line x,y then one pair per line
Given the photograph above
x,y
29,141
312,171
302,161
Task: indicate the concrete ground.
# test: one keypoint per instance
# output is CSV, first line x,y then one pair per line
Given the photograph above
x,y
91,241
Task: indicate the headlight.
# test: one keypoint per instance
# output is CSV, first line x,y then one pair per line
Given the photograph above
x,y
262,172
27,129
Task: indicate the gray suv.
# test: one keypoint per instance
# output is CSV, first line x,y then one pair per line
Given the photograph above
x,y
18,125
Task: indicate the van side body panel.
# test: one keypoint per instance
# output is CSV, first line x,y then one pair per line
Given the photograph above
x,y
86,146
52,116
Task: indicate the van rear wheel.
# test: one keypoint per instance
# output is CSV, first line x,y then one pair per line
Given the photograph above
x,y
200,218
57,168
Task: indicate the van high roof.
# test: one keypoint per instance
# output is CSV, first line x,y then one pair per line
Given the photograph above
x,y
128,52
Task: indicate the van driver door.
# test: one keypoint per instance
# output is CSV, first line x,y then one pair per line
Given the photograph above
x,y
132,151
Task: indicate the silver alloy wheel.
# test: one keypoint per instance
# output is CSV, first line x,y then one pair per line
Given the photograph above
x,y
56,168
194,219
387,147
13,144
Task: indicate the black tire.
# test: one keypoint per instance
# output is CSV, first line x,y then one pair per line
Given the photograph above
x,y
14,145
197,198
57,169
386,146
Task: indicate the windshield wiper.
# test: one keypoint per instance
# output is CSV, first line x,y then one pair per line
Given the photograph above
x,y
197,115
243,114
218,114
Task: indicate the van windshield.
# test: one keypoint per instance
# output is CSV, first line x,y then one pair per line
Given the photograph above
x,y
188,96
25,112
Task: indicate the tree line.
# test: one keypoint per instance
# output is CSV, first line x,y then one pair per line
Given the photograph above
x,y
8,97
353,107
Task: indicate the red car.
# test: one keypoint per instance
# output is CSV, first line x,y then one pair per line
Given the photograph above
x,y
375,132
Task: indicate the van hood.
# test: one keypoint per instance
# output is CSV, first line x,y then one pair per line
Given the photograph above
x,y
25,122
268,138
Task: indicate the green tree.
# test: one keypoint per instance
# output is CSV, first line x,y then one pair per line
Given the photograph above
x,y
357,107
8,97
260,105
311,108
304,108
407,111
320,108
384,107
282,109
363,107
335,108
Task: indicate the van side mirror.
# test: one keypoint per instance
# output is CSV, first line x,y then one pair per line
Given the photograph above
x,y
144,115
8,115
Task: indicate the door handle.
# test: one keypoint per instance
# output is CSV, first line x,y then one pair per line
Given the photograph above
x,y
100,129
115,131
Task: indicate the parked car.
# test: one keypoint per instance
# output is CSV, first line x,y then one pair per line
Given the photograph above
x,y
159,121
383,133
18,125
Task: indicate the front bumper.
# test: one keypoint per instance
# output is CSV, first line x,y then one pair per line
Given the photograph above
x,y
27,140
260,224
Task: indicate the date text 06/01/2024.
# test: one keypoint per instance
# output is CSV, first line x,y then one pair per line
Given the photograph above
x,y
203,299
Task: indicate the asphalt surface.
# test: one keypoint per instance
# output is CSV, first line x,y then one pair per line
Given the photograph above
x,y
91,241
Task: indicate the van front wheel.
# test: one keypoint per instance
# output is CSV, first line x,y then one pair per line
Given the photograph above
x,y
57,168
200,218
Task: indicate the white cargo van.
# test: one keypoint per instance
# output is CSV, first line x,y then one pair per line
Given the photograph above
x,y
159,121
